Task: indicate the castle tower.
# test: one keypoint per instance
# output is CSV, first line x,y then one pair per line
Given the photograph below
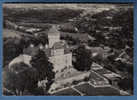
x,y
53,36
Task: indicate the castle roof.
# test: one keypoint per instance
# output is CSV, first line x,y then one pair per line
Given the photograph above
x,y
53,31
59,45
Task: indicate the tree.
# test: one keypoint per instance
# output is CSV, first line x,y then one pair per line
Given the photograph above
x,y
126,83
44,68
8,80
83,58
124,19
19,78
12,48
42,38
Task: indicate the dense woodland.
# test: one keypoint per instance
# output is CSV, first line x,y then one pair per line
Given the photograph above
x,y
41,15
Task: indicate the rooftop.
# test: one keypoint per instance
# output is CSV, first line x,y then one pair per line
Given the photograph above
x,y
59,45
107,73
98,80
89,90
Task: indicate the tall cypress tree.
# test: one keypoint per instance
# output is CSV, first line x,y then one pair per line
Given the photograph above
x,y
45,69
83,58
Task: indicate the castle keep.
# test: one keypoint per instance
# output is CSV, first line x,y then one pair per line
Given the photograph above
x,y
57,50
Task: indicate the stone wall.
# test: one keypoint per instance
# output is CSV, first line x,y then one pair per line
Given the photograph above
x,y
57,52
53,39
61,61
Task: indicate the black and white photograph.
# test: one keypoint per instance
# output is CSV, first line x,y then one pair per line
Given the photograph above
x,y
67,49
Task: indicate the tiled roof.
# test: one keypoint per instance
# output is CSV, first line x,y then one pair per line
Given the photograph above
x,y
108,74
89,90
59,45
